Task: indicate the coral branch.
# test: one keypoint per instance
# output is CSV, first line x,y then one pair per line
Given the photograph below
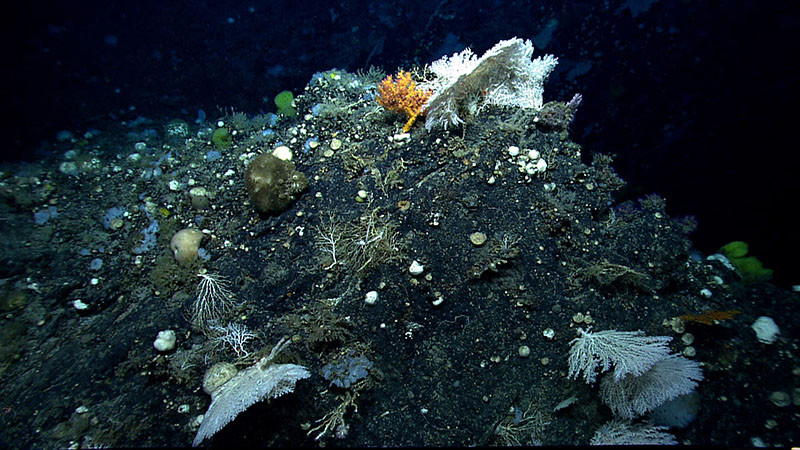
x,y
401,95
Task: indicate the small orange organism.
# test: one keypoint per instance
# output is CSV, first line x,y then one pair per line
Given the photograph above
x,y
400,94
710,317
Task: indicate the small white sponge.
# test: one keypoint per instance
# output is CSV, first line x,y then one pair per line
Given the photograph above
x,y
766,330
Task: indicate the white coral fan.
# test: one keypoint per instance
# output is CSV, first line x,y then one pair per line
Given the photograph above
x,y
504,75
263,380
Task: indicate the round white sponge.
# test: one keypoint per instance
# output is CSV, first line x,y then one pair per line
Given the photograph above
x,y
165,341
766,330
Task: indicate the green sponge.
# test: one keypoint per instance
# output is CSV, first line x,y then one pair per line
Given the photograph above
x,y
284,103
750,267
222,138
735,249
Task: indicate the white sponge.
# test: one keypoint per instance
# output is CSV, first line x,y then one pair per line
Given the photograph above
x,y
766,330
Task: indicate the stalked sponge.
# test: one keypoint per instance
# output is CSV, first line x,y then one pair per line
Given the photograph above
x,y
273,184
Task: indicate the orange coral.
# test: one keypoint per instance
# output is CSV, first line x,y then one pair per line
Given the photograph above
x,y
401,95
710,317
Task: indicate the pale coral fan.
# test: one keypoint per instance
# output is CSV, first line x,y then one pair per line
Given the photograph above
x,y
261,381
630,352
505,75
633,396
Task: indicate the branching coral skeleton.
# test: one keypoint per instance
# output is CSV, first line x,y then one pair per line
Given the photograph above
x,y
214,299
234,335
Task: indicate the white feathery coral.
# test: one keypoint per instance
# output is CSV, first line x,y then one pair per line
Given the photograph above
x,y
504,75
620,433
633,396
234,335
261,381
214,299
630,352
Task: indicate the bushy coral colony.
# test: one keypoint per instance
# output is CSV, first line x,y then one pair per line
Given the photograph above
x,y
463,84
401,95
